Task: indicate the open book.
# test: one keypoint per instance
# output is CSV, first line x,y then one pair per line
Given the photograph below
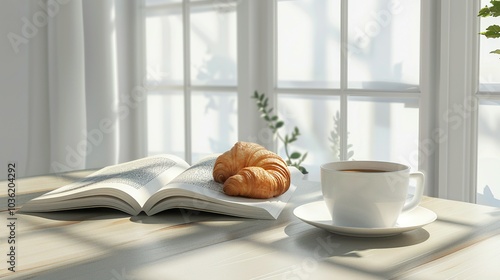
x,y
157,183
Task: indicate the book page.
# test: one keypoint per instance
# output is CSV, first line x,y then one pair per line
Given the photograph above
x,y
139,178
197,184
200,175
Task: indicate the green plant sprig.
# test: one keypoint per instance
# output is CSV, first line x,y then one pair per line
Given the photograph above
x,y
335,139
274,123
493,10
492,31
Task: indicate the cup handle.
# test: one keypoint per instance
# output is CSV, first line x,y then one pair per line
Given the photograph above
x,y
419,191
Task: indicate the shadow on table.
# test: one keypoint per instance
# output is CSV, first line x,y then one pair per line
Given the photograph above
x,y
347,246
79,214
181,216
322,246
488,198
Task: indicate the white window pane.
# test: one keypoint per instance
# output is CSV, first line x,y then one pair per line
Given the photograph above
x,y
384,129
213,46
308,43
488,165
489,75
214,122
160,2
383,44
314,116
164,49
222,6
166,126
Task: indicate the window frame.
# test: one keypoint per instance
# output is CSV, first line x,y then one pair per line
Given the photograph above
x,y
428,42
444,149
448,78
187,87
458,87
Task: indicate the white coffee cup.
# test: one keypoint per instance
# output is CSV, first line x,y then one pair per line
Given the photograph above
x,y
368,194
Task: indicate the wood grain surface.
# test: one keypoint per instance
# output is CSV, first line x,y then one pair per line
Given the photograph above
x,y
464,242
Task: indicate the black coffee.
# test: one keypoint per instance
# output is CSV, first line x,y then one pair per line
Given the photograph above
x,y
365,170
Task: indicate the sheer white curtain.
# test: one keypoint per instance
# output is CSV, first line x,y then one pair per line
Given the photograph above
x,y
71,95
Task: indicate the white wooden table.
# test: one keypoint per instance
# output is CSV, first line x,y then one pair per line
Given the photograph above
x,y
463,243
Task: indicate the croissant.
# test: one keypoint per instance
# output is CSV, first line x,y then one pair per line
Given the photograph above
x,y
249,170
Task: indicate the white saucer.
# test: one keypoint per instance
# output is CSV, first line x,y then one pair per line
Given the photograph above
x,y
316,214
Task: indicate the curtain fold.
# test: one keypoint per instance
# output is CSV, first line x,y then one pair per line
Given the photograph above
x,y
38,153
101,81
67,91
69,85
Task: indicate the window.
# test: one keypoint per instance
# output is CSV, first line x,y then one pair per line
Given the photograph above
x,y
191,61
374,80
488,119
348,77
468,102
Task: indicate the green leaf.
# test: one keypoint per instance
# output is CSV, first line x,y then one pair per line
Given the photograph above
x,y
264,103
303,157
484,12
274,118
279,124
497,51
495,8
295,155
303,170
492,31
